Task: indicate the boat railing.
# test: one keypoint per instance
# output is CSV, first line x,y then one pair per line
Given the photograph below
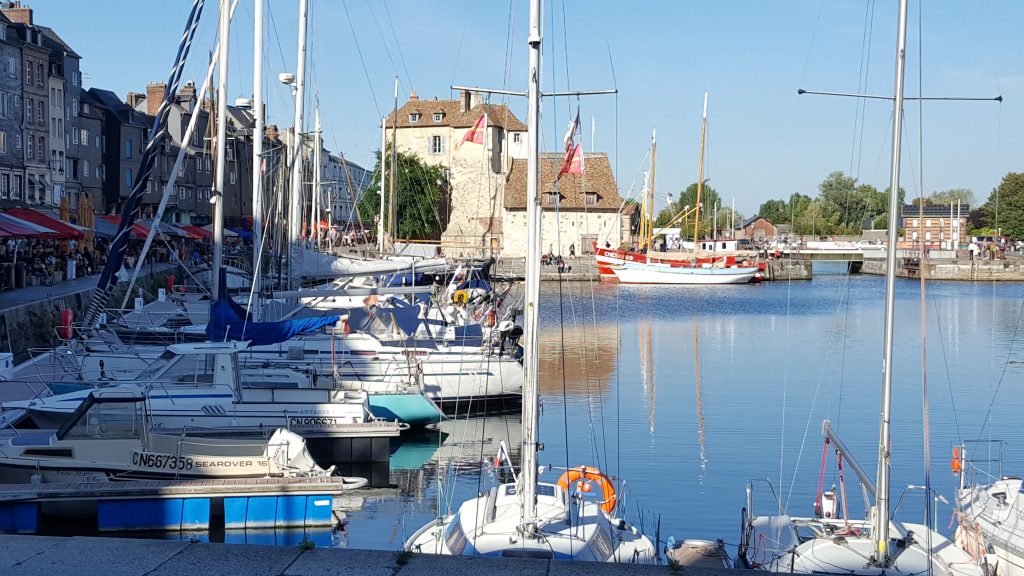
x,y
929,493
979,461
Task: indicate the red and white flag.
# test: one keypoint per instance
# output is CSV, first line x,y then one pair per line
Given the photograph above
x,y
476,133
572,161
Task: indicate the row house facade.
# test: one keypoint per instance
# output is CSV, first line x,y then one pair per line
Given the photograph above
x,y
12,161
122,140
66,143
36,104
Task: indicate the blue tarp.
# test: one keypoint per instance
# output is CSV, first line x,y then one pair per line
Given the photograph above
x,y
227,324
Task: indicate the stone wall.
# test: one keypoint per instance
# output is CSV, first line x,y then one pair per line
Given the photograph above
x,y
561,229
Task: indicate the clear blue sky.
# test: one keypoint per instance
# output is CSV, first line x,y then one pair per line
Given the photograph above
x,y
751,55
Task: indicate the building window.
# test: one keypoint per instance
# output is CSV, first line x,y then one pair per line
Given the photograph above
x,y
5,185
913,223
29,116
3,145
28,72
85,168
74,136
3,104
31,147
84,136
17,141
590,199
16,188
74,78
414,117
128,148
128,177
39,74
517,138
234,177
928,224
436,145
74,106
12,68
551,198
438,116
41,150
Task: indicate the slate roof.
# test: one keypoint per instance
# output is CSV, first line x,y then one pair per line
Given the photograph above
x,y
598,178
497,115
912,210
53,40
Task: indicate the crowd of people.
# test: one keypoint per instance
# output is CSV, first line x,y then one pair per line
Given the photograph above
x,y
49,261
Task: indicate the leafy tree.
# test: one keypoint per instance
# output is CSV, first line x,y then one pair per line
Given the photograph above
x,y
945,197
708,198
775,211
1004,209
422,192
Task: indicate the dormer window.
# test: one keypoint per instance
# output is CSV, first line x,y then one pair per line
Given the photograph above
x,y
551,198
438,117
414,117
590,199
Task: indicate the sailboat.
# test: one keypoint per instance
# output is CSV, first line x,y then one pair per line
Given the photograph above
x,y
526,518
830,542
990,509
648,270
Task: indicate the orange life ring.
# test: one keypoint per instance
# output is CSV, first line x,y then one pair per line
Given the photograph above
x,y
591,474
66,316
955,463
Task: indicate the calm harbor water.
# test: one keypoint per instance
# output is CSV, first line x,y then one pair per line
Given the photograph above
x,y
688,392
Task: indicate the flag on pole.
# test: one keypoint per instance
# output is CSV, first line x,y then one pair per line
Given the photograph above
x,y
476,133
572,162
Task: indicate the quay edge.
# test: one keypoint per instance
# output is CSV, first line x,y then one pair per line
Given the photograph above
x,y
98,556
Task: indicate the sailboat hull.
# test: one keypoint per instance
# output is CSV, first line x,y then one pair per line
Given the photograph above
x,y
659,274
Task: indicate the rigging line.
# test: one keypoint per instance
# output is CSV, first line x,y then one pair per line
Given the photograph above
x,y
810,45
398,45
384,41
362,61
945,364
1002,375
608,46
857,147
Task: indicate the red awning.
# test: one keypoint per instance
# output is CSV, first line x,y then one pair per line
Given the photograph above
x,y
139,230
11,227
61,230
197,231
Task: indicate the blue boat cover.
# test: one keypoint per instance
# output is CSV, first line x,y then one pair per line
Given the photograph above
x,y
227,324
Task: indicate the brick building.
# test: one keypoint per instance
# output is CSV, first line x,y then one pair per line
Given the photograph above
x,y
759,228
942,227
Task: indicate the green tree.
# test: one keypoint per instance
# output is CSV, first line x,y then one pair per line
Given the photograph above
x,y
422,191
837,193
1004,209
775,211
708,198
953,195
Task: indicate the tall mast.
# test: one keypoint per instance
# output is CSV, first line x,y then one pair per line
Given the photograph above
x,y
383,164
257,155
295,192
700,175
531,301
222,107
315,212
393,194
880,530
650,192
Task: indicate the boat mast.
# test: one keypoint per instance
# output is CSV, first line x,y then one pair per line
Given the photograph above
x,y
880,530
700,175
383,164
222,106
650,193
257,157
295,192
315,212
393,194
528,478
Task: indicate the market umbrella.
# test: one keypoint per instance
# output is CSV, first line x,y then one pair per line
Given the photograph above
x,y
87,219
65,211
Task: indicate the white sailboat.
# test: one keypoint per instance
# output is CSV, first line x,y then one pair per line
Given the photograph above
x,y
526,518
646,270
990,511
828,543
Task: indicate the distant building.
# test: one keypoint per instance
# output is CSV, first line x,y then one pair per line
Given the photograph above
x,y
65,93
578,210
473,221
759,228
938,226
344,183
35,64
12,159
124,138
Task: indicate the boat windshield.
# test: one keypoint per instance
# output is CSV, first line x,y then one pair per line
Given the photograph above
x,y
117,420
172,368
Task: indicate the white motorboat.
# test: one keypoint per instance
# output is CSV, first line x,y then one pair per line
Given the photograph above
x,y
108,438
195,387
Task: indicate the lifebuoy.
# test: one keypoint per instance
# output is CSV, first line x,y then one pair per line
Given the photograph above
x,y
492,318
66,316
955,463
460,297
590,474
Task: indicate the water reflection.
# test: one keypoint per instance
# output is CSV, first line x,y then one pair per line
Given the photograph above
x,y
588,354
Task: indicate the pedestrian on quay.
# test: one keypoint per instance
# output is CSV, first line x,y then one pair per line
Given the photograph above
x,y
572,250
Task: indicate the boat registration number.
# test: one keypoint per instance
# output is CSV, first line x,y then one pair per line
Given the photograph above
x,y
165,461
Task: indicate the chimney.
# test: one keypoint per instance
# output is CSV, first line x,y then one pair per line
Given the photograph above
x,y
465,101
133,99
271,132
413,97
155,92
17,13
187,95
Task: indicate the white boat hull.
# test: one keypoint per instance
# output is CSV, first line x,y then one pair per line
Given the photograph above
x,y
656,274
